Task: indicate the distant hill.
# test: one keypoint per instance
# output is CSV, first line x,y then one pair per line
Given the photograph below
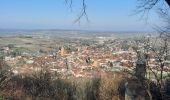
x,y
69,33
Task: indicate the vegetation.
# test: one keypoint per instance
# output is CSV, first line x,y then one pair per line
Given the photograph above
x,y
42,85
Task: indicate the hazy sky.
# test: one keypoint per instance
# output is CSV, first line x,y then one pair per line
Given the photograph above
x,y
112,15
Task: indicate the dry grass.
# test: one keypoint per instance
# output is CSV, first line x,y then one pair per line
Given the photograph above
x,y
42,87
107,89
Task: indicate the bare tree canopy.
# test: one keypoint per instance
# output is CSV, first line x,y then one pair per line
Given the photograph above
x,y
144,6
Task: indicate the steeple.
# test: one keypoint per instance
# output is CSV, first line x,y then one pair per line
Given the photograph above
x,y
62,51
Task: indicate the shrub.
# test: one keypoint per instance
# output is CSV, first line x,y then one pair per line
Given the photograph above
x,y
43,86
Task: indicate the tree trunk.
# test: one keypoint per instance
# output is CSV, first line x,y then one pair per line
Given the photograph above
x,y
168,2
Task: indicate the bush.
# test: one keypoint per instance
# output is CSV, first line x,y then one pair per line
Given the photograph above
x,y
42,86
4,72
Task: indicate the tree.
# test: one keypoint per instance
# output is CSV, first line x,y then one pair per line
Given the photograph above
x,y
160,51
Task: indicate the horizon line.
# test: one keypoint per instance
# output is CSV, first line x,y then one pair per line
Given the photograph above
x,y
67,29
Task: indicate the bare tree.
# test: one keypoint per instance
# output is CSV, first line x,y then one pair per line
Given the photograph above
x,y
157,49
144,6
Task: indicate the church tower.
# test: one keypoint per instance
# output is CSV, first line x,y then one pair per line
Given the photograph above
x,y
62,51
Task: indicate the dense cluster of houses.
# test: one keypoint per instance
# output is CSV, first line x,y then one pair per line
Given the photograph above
x,y
85,61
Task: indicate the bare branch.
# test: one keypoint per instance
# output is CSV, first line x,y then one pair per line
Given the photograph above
x,y
82,13
168,2
69,2
145,6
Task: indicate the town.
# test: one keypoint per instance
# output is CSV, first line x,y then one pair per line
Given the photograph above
x,y
74,61
71,57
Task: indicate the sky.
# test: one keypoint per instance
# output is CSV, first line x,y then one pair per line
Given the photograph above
x,y
105,15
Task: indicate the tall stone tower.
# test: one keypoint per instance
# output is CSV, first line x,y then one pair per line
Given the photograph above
x,y
62,51
140,70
